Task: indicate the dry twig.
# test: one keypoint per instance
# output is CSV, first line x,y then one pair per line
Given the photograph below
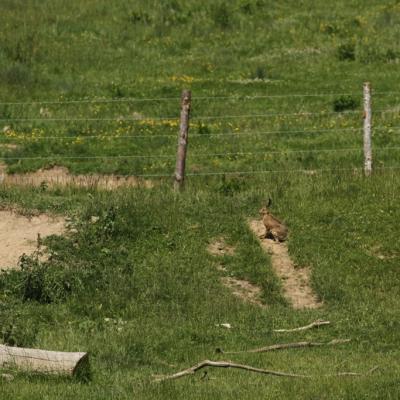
x,y
315,324
225,364
286,346
229,364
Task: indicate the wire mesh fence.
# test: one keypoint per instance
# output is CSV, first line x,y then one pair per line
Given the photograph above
x,y
242,135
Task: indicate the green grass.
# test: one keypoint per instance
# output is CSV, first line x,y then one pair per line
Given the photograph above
x,y
151,51
143,293
137,289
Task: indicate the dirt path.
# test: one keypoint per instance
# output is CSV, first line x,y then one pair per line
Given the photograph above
x,y
60,176
18,235
240,288
295,281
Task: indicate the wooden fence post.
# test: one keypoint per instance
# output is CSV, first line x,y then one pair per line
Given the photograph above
x,y
367,129
182,140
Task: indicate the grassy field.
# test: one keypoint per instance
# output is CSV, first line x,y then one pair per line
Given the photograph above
x,y
227,54
95,85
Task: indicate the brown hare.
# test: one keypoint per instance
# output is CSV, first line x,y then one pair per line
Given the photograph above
x,y
274,229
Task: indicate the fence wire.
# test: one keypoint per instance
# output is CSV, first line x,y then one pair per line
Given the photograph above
x,y
203,155
199,118
191,135
308,172
203,135
197,98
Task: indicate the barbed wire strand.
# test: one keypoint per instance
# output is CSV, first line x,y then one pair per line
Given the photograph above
x,y
202,135
194,155
309,172
196,118
306,171
174,118
223,97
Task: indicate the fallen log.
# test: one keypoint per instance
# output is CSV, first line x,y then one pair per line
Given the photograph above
x,y
44,361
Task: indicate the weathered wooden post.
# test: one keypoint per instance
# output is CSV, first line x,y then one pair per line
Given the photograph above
x,y
367,129
182,140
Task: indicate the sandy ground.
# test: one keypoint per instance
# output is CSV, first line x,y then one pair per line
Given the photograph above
x,y
18,235
240,288
60,176
295,281
218,247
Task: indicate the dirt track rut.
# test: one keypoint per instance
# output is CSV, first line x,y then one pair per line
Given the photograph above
x,y
295,281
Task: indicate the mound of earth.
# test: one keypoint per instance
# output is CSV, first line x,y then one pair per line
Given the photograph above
x,y
19,234
60,176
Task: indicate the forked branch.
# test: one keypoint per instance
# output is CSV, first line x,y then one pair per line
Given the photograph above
x,y
229,364
226,364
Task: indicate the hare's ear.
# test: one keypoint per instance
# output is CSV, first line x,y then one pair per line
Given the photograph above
x,y
269,201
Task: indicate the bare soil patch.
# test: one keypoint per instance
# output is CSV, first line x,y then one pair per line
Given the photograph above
x,y
9,146
245,290
295,281
60,176
378,252
18,235
218,247
241,288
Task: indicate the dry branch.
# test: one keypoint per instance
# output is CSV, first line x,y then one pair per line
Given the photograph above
x,y
229,364
225,364
315,324
43,361
283,346
373,369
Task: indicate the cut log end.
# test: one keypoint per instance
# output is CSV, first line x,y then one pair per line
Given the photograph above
x,y
74,364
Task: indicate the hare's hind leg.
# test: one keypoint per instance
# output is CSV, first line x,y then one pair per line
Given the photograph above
x,y
265,235
273,235
269,234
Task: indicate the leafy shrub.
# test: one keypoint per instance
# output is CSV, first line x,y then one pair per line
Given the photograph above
x,y
374,54
139,17
222,16
5,112
260,73
17,329
329,29
344,103
391,55
17,74
23,49
116,90
43,282
346,52
203,129
107,223
247,8
231,186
